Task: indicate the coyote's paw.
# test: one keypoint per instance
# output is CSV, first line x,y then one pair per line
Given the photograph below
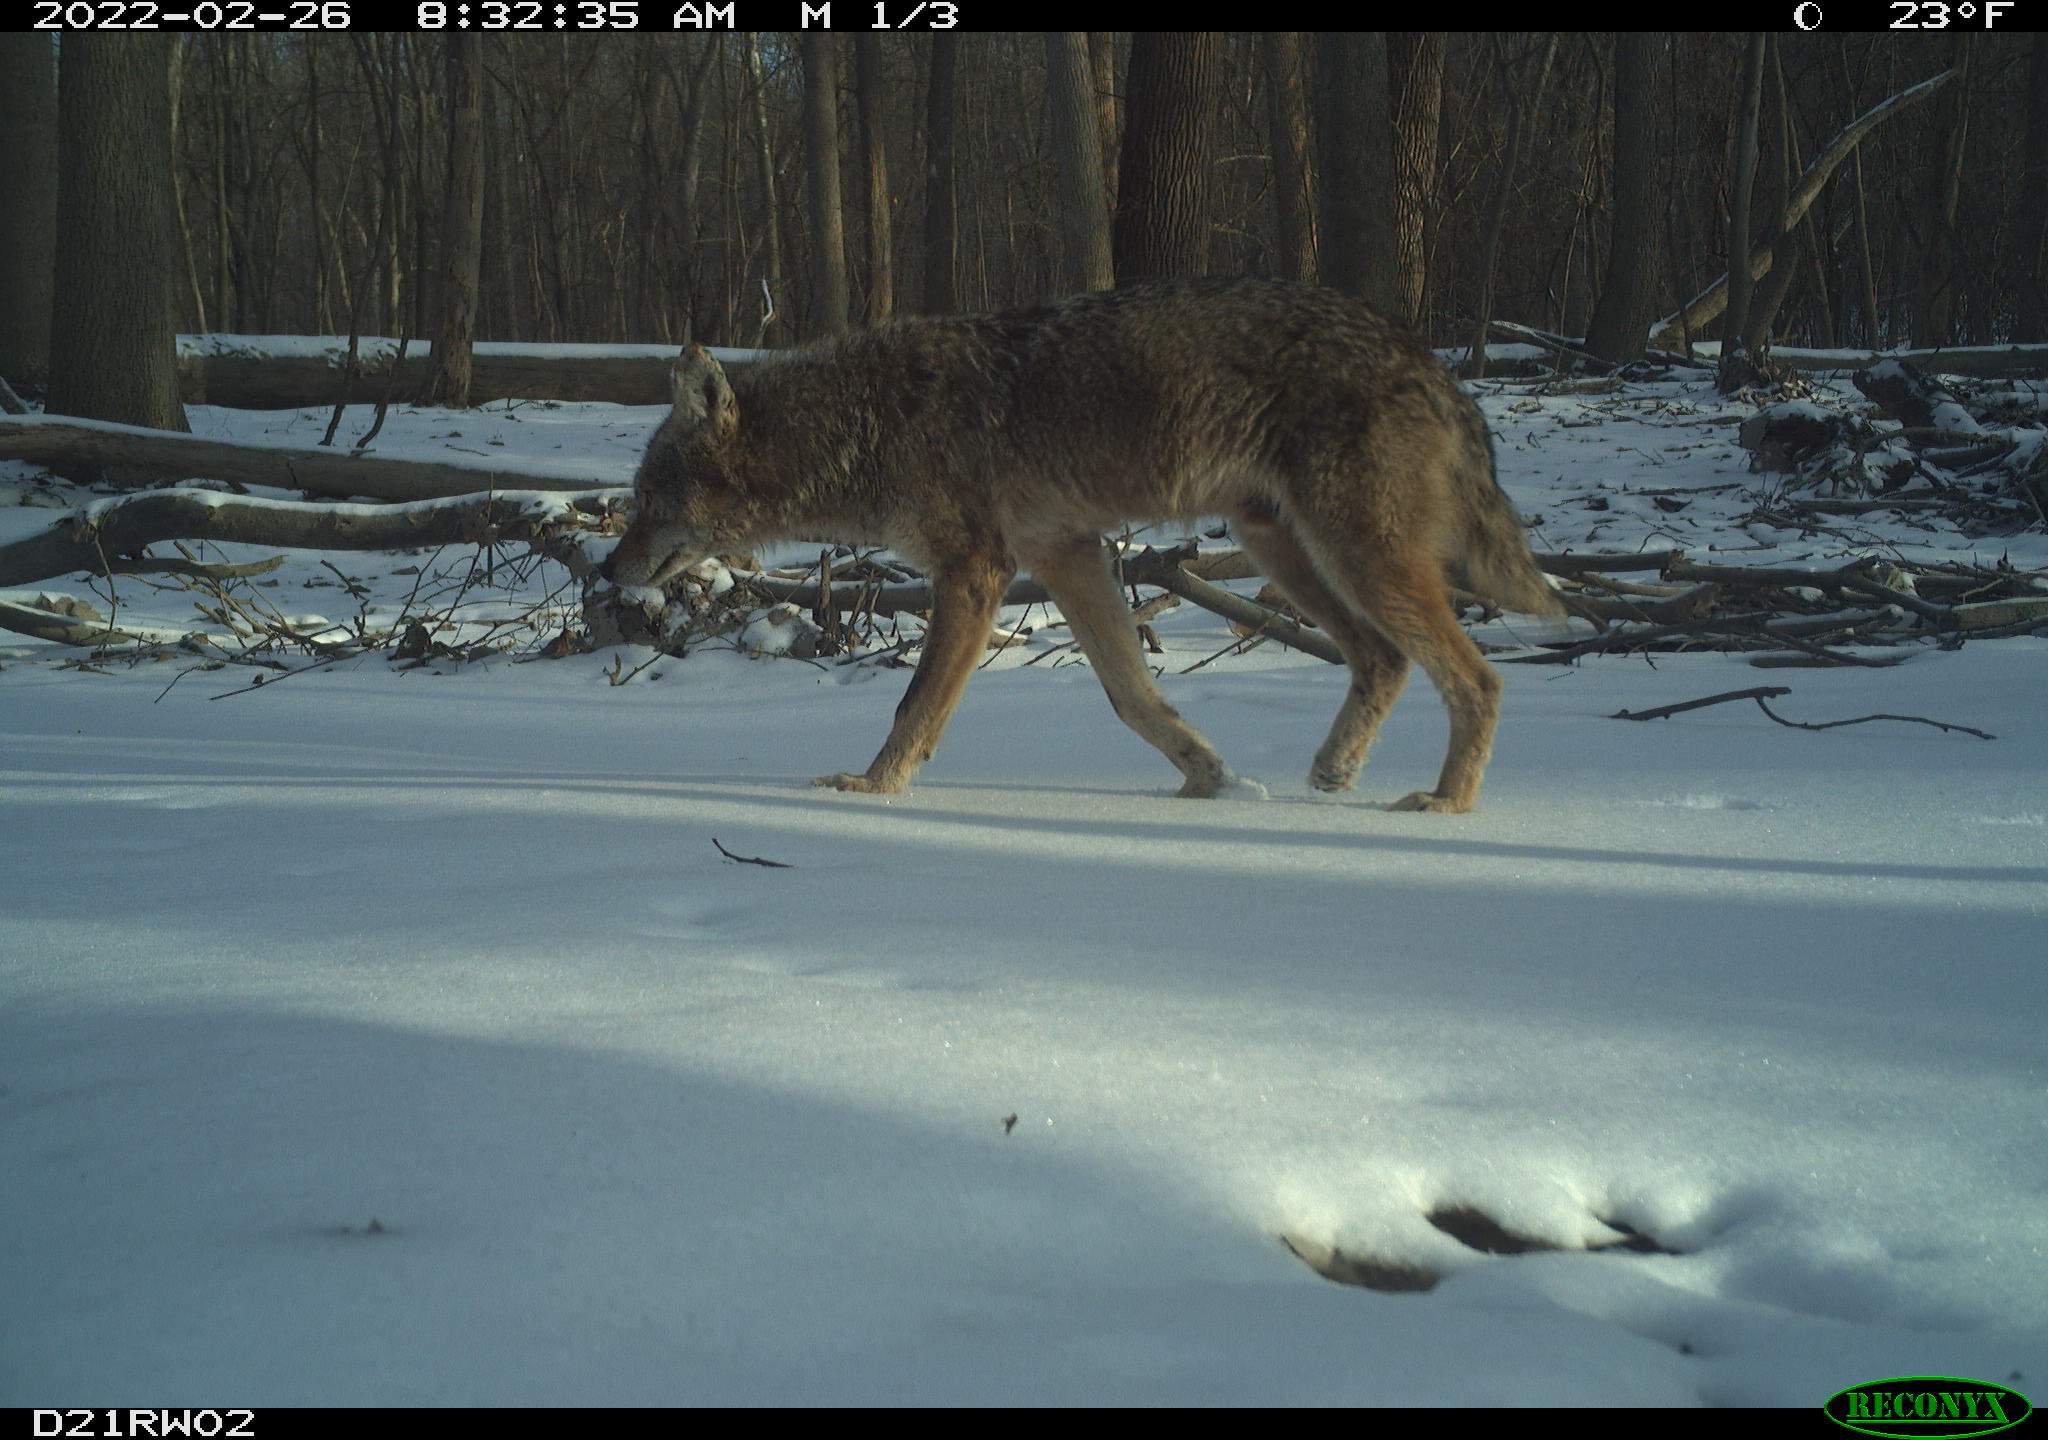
x,y
1332,781
1205,785
1433,802
857,782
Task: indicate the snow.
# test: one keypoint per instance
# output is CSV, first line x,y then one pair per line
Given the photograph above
x,y
398,1035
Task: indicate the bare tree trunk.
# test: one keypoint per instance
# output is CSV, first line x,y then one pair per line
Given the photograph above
x,y
2033,211
315,198
1522,112
462,223
1866,273
1162,214
1415,70
382,282
830,307
692,108
421,300
1102,63
764,163
1735,370
1287,135
219,88
28,220
1085,258
1934,295
1356,135
1707,306
1621,319
1779,162
869,90
111,350
941,233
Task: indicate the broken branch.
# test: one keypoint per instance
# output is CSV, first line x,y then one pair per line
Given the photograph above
x,y
1760,693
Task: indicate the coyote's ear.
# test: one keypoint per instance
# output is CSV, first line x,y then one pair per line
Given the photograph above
x,y
702,396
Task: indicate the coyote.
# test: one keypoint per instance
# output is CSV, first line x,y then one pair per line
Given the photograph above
x,y
1348,463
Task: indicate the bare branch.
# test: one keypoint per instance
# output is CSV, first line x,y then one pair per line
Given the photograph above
x,y
1760,693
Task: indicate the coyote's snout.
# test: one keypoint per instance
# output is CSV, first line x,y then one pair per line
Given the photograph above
x,y
1347,462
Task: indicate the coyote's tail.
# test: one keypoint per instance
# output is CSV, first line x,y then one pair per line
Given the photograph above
x,y
1490,554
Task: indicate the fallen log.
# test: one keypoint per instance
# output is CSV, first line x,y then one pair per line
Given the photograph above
x,y
91,540
68,621
1760,624
290,372
1984,360
61,441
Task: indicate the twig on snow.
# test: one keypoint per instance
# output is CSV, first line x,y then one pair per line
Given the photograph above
x,y
1760,693
750,859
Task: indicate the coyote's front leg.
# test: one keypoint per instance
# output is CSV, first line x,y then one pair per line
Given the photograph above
x,y
966,594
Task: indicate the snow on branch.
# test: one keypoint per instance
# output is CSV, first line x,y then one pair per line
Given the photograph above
x,y
93,539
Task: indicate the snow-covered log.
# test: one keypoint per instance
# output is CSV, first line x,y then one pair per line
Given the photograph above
x,y
60,441
1952,360
93,539
1916,400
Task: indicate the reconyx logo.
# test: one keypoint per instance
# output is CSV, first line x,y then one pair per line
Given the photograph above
x,y
1928,1405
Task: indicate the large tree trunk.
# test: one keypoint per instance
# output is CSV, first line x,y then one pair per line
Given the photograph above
x,y
1102,65
830,307
1287,135
1621,319
462,223
1415,71
28,219
1162,215
111,355
1356,143
1085,260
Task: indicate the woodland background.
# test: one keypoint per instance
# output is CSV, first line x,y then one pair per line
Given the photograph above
x,y
770,188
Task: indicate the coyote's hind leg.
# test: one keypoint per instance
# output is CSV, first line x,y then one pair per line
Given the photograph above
x,y
1378,670
1401,591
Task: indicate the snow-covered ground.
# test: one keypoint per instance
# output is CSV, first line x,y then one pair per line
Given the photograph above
x,y
400,1036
